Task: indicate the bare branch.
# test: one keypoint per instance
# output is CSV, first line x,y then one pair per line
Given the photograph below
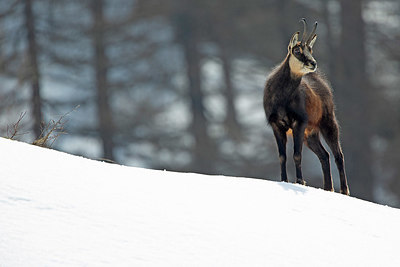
x,y
52,130
13,131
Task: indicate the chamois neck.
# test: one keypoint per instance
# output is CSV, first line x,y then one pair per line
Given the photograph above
x,y
293,66
287,73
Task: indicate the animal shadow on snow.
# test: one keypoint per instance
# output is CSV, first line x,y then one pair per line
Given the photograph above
x,y
297,188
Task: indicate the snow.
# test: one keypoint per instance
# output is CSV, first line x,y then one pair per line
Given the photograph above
x,y
61,210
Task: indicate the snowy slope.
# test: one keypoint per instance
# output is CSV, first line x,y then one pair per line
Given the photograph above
x,y
61,210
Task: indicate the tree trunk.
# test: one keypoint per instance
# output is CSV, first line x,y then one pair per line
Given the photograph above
x,y
231,121
106,127
221,34
33,70
353,100
285,32
188,37
329,38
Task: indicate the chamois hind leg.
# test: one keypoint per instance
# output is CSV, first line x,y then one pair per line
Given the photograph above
x,y
330,131
314,144
281,139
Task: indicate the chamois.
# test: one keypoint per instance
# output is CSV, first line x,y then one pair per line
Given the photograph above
x,y
299,101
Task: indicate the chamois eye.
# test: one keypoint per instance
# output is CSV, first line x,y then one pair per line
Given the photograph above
x,y
296,50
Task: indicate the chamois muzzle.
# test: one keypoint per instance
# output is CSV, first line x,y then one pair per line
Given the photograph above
x,y
312,65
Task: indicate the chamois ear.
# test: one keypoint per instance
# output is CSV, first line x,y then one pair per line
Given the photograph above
x,y
312,41
293,40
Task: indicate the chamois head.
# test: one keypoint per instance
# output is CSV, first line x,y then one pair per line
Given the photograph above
x,y
301,60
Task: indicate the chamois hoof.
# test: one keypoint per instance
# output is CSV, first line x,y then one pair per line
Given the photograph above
x,y
329,188
301,181
345,191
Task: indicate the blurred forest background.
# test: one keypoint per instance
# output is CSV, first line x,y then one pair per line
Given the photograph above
x,y
178,84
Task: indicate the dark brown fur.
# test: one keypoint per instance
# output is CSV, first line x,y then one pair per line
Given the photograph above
x,y
303,106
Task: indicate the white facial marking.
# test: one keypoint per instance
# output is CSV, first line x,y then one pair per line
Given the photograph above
x,y
308,54
297,67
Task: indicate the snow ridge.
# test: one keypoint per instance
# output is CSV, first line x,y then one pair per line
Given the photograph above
x,y
62,210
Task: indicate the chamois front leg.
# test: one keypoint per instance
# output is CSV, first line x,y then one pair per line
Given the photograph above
x,y
298,137
281,139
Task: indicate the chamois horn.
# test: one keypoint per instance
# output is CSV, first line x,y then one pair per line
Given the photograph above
x,y
304,30
312,34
